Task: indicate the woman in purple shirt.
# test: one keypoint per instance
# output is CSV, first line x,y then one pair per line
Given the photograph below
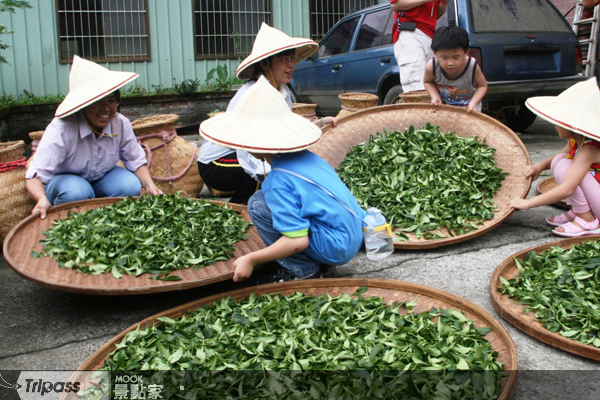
x,y
77,156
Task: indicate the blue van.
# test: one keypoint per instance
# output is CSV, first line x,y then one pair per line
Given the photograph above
x,y
525,48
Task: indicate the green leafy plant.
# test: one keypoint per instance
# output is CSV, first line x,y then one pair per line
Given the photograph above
x,y
9,6
562,287
28,98
150,234
242,46
305,347
222,81
425,180
188,86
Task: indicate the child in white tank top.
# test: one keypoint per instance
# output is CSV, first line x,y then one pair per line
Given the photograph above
x,y
454,77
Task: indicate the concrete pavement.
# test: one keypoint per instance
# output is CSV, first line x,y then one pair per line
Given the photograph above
x,y
44,329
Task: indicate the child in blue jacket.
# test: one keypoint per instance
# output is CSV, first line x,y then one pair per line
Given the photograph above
x,y
304,213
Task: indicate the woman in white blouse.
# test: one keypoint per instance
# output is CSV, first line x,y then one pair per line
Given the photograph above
x,y
274,55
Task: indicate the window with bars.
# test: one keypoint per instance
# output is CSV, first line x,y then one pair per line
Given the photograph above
x,y
225,29
103,30
324,14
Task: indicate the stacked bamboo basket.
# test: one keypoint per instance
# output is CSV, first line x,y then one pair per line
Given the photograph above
x,y
306,110
419,96
171,159
352,102
15,203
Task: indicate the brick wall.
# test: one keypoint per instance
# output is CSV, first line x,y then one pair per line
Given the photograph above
x,y
564,6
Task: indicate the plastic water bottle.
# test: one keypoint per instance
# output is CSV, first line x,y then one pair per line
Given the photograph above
x,y
378,236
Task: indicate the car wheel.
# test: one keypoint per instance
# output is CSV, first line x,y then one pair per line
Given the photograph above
x,y
521,120
393,95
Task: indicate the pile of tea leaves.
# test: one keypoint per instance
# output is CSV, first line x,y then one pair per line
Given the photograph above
x,y
302,346
148,234
562,287
424,180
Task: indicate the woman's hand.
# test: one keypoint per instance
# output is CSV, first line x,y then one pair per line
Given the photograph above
x,y
153,189
330,120
41,207
243,268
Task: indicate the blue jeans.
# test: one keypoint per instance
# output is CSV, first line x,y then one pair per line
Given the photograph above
x,y
299,264
118,182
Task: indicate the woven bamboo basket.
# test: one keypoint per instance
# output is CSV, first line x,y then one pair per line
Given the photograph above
x,y
511,154
352,102
172,159
26,236
515,313
389,290
15,202
306,110
35,137
420,96
549,183
12,151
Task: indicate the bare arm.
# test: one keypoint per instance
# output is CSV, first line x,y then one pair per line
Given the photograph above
x,y
430,85
573,178
282,248
403,5
442,8
535,170
36,190
481,85
143,175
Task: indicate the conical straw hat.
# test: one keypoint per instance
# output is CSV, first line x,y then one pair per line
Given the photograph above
x,y
271,41
261,122
576,109
89,82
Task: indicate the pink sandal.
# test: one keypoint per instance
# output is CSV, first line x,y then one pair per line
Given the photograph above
x,y
561,219
584,229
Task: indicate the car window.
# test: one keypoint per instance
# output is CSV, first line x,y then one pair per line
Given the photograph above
x,y
373,32
516,15
338,41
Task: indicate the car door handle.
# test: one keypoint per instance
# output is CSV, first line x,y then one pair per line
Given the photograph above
x,y
336,67
386,59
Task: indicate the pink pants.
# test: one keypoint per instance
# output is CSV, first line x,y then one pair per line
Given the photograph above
x,y
587,195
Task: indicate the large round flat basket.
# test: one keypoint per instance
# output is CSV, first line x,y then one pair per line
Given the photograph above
x,y
511,155
549,183
526,322
389,290
45,271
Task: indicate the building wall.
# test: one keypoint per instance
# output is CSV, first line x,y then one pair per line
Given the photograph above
x,y
33,57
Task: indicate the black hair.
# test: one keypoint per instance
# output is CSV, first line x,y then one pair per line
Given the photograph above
x,y
450,38
259,70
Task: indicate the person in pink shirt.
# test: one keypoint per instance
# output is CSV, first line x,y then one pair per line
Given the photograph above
x,y
77,155
413,28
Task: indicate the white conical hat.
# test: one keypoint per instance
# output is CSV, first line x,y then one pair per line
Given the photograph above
x,y
89,82
576,109
271,41
261,122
